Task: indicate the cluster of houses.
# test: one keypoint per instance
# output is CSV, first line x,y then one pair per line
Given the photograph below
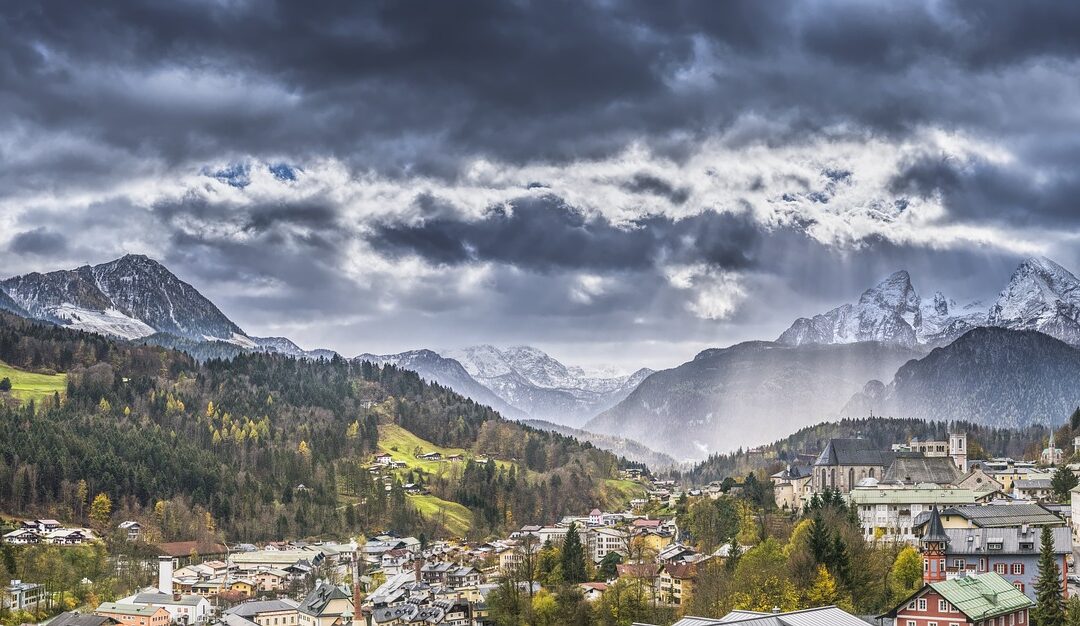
x,y
48,531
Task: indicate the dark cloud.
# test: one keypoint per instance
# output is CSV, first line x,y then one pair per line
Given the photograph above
x,y
545,234
39,241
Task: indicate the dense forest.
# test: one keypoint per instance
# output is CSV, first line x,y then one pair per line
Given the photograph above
x,y
261,446
805,444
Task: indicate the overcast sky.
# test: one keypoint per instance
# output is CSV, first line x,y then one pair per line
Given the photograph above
x,y
614,182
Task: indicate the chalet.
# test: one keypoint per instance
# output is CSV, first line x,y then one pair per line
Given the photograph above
x,y
592,591
430,456
829,615
132,528
68,537
22,536
384,459
42,525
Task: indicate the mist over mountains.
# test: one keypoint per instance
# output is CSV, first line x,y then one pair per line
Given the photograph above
x,y
1012,362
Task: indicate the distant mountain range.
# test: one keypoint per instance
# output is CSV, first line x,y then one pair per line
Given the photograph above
x,y
520,382
1015,362
941,360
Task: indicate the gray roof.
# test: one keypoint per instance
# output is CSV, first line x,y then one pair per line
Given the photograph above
x,y
255,607
911,470
74,618
316,601
934,530
1032,483
167,599
854,452
974,540
1000,515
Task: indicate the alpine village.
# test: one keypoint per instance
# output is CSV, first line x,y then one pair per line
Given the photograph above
x,y
145,485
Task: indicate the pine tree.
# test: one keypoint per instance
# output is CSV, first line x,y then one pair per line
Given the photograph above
x,y
573,557
1049,607
1062,483
819,540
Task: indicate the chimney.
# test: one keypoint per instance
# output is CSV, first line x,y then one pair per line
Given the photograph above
x,y
165,575
776,610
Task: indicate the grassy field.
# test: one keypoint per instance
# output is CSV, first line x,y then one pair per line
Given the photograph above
x,y
617,493
27,386
400,444
455,517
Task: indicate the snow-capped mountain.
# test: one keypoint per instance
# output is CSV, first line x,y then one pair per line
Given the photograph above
x,y
1043,296
9,305
446,372
543,387
131,297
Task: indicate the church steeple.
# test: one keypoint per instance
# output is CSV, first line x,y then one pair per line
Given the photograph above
x,y
934,542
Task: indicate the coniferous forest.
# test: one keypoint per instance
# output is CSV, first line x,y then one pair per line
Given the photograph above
x,y
261,446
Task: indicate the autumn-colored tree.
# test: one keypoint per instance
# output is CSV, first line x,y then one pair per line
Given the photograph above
x,y
100,511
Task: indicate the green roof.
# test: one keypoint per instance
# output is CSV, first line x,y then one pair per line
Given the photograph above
x,y
982,596
912,496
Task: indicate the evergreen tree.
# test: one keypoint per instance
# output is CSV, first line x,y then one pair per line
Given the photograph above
x,y
573,557
608,569
1062,483
819,541
1050,607
5,384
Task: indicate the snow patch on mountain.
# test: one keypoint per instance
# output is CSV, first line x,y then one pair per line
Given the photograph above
x,y
1041,295
107,322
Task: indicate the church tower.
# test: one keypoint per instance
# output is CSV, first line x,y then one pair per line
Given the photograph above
x,y
934,542
958,450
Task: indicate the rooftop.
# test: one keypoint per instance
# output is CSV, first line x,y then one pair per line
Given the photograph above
x,y
854,452
922,495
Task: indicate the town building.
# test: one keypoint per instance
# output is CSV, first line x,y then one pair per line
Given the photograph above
x,y
791,486
826,615
132,529
844,462
133,615
75,618
1039,489
23,596
325,605
891,514
1012,553
284,612
979,599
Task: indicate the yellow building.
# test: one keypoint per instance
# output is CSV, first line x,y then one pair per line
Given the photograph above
x,y
676,583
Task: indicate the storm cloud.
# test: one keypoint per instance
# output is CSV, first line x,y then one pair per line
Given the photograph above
x,y
598,177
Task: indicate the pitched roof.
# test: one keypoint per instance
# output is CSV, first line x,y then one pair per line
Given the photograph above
x,y
820,616
126,609
255,607
921,495
184,548
159,598
911,470
853,452
934,530
320,597
982,596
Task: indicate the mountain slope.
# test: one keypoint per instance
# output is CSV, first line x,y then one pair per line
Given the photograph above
x,y
131,297
992,376
621,446
541,386
286,346
9,305
447,372
743,395
1043,296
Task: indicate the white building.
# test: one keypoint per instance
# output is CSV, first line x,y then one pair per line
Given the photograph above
x,y
889,514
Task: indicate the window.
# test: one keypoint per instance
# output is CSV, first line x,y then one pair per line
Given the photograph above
x,y
999,568
922,604
1019,585
958,563
1021,616
942,606
1017,569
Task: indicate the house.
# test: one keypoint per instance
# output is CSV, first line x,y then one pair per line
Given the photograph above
x,y
75,618
132,528
283,612
325,605
994,516
1039,489
979,599
22,536
978,480
68,537
676,582
592,591
596,517
271,579
602,540
890,514
20,596
790,486
1013,553
430,456
189,609
132,615
183,550
844,462
43,525
384,458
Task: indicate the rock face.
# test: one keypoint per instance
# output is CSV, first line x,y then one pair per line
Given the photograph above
x,y
541,386
991,376
131,297
1042,296
9,305
745,395
285,346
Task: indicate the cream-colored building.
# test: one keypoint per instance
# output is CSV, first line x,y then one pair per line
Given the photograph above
x,y
325,605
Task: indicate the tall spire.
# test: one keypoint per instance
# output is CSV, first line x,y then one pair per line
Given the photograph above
x,y
934,543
